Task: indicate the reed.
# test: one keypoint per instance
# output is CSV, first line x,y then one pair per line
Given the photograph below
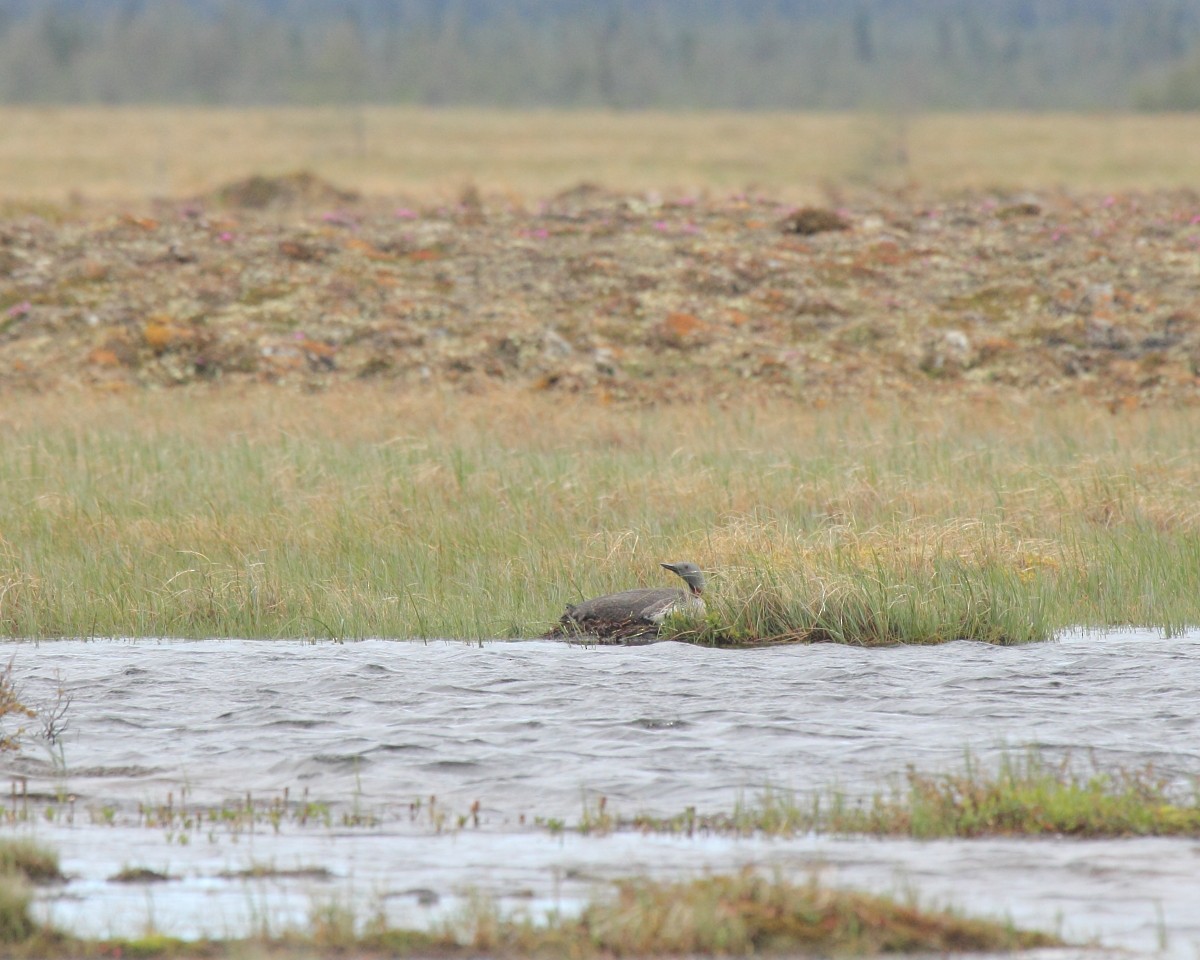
x,y
365,513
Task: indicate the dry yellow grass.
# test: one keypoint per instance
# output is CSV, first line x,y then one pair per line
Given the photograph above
x,y
129,154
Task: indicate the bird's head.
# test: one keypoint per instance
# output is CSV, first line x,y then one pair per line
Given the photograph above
x,y
692,575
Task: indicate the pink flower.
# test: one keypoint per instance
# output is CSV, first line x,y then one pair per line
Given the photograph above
x,y
403,213
226,237
19,309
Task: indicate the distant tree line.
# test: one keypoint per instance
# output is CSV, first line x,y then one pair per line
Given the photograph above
x,y
622,54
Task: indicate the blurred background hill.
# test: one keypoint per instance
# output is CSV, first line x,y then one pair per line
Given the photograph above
x,y
885,55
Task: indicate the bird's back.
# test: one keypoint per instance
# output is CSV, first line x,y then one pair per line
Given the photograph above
x,y
646,606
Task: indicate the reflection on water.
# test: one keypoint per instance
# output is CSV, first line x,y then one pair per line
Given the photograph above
x,y
532,730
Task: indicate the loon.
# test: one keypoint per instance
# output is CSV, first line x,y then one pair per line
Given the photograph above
x,y
635,614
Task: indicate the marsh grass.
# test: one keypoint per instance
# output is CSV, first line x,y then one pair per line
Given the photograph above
x,y
1029,797
1024,796
362,513
872,600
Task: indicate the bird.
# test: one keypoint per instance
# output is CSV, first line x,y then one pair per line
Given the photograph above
x,y
634,614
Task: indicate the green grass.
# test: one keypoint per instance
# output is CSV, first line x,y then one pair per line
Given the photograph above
x,y
362,513
1025,796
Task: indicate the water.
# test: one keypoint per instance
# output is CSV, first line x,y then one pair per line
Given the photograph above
x,y
534,730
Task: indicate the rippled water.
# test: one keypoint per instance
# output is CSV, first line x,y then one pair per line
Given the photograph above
x,y
529,730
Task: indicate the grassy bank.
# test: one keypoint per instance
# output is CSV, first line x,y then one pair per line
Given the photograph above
x,y
364,513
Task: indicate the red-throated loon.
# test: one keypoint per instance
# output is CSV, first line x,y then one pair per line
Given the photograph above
x,y
635,613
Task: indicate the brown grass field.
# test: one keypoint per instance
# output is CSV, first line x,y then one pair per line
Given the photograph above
x,y
130,154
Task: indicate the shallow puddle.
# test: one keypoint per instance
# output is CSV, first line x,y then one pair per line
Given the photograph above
x,y
369,732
